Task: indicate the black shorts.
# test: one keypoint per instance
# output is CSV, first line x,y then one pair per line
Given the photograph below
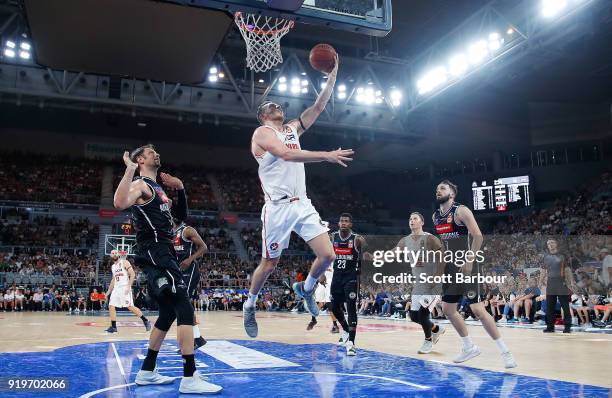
x,y
192,279
158,261
343,290
453,291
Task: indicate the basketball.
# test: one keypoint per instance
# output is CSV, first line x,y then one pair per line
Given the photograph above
x,y
323,58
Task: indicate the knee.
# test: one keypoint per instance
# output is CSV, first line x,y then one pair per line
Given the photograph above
x,y
328,257
414,316
268,265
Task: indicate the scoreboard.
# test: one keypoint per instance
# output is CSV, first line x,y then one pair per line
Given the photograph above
x,y
501,194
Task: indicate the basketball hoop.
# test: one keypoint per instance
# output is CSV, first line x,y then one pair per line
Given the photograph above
x,y
262,36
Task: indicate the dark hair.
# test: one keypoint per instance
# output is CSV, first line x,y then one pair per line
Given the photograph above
x,y
139,151
452,186
347,215
418,214
261,107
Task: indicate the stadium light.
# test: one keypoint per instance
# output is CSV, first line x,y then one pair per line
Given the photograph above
x,y
213,78
9,53
10,44
282,87
458,65
495,41
396,97
478,51
431,80
282,79
24,45
213,70
24,55
551,8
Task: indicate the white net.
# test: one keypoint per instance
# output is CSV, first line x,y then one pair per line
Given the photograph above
x,y
262,35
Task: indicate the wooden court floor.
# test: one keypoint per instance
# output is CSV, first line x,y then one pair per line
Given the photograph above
x,y
583,358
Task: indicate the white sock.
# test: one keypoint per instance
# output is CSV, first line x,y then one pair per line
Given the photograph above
x,y
501,345
467,342
251,301
196,332
310,283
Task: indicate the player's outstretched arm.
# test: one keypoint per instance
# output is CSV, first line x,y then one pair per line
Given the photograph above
x,y
265,138
311,114
128,191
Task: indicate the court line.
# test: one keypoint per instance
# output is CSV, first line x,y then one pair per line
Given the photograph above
x,y
421,387
119,361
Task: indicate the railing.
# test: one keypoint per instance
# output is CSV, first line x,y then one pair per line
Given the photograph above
x,y
53,250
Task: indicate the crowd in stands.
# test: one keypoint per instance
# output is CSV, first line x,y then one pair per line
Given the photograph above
x,y
45,178
48,232
241,190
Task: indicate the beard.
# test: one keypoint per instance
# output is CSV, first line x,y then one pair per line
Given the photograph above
x,y
442,199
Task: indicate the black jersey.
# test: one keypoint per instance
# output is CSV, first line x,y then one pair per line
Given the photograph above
x,y
347,255
153,220
182,246
453,236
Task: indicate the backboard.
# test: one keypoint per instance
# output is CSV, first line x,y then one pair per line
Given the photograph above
x,y
369,17
119,242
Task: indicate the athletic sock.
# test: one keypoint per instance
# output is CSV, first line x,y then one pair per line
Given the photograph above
x,y
114,324
313,319
144,319
501,345
251,300
335,324
467,342
149,361
310,283
435,328
196,332
188,365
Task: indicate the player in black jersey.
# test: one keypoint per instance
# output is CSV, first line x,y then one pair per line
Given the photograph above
x,y
152,213
459,232
348,247
186,239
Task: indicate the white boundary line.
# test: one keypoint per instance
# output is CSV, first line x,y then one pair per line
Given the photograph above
x,y
420,387
118,361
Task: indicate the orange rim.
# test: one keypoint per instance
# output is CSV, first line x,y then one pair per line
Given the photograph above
x,y
262,32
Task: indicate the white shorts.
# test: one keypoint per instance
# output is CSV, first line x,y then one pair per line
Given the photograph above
x,y
321,295
280,219
424,300
119,299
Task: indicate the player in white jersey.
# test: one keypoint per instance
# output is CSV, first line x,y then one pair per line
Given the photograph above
x,y
276,147
323,299
120,291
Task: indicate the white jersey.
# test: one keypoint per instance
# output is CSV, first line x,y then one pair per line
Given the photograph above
x,y
120,274
281,179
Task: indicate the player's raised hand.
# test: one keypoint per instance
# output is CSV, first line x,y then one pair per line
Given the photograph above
x,y
128,162
171,181
334,71
340,156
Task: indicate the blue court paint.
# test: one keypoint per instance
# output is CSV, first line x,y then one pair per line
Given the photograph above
x,y
109,370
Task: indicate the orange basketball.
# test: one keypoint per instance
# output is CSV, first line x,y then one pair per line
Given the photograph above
x,y
323,58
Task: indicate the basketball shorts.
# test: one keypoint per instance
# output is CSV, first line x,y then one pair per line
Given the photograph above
x,y
192,279
158,260
321,294
280,219
119,299
344,290
428,301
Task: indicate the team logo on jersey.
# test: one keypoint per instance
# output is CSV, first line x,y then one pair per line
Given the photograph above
x,y
352,295
162,194
335,244
471,294
350,244
177,240
449,219
274,246
290,137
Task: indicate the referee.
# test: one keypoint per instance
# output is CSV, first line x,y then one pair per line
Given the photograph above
x,y
558,278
